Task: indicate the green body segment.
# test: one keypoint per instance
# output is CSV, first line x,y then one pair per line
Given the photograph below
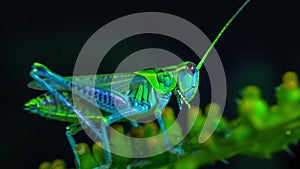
x,y
168,79
163,82
47,105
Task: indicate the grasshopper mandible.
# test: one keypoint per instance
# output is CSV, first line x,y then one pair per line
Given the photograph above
x,y
150,91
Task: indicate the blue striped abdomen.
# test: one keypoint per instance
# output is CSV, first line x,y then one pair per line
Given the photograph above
x,y
111,102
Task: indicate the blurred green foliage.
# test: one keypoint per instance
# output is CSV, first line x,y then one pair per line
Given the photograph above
x,y
259,130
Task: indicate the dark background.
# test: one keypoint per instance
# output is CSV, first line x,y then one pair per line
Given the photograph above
x,y
260,45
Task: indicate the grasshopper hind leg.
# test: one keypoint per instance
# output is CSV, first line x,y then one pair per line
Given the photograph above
x,y
72,130
73,145
38,71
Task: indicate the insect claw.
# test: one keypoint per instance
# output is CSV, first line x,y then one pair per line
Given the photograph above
x,y
178,151
225,162
290,152
237,101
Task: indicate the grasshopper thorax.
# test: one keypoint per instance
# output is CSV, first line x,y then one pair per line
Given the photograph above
x,y
182,79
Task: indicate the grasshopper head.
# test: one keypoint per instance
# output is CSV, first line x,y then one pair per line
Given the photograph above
x,y
187,79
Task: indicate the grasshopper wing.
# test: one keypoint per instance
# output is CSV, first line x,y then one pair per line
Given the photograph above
x,y
120,82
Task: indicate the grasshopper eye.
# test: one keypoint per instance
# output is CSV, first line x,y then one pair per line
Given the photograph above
x,y
191,67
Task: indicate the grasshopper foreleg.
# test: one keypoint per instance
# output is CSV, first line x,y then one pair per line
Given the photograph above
x,y
162,102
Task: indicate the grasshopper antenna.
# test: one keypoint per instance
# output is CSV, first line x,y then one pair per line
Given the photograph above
x,y
220,34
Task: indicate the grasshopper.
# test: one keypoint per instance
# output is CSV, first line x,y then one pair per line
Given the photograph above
x,y
149,92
